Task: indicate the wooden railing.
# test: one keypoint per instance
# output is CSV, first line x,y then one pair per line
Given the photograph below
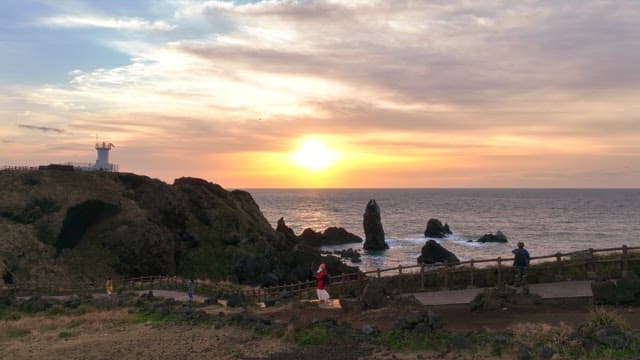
x,y
554,262
483,272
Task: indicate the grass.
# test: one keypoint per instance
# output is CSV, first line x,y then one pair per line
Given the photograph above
x,y
600,318
316,335
67,334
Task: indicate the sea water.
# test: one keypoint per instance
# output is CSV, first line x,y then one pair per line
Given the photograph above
x,y
546,220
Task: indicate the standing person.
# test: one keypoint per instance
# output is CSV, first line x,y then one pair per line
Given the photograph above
x,y
520,264
108,286
321,275
190,286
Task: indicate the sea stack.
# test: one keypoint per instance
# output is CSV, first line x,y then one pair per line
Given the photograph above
x,y
374,233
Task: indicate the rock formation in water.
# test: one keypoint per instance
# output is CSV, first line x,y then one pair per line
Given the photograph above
x,y
330,236
499,237
435,229
432,253
374,233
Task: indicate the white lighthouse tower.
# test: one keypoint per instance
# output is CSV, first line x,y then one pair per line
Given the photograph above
x,y
102,163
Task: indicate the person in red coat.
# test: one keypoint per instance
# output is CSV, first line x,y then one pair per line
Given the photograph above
x,y
321,275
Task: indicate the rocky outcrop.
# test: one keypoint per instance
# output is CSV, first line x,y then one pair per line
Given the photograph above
x,y
330,236
374,295
288,233
499,237
435,229
350,254
621,291
374,233
432,253
339,236
87,225
311,237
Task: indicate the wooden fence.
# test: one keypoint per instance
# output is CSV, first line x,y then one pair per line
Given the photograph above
x,y
468,273
608,262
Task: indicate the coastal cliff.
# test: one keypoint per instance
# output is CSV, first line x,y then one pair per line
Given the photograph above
x,y
87,225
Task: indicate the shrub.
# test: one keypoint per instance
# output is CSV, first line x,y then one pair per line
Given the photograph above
x,y
316,335
603,319
67,334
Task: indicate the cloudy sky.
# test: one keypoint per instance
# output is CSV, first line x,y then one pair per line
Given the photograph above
x,y
394,93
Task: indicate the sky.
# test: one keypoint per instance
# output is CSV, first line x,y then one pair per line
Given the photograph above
x,y
252,94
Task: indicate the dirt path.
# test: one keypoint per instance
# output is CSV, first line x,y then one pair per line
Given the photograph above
x,y
556,290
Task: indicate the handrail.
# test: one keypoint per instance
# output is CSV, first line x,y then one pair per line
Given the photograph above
x,y
299,287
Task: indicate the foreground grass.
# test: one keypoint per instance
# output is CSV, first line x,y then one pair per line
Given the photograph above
x,y
605,336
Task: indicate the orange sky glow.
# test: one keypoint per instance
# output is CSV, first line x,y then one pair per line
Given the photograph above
x,y
394,94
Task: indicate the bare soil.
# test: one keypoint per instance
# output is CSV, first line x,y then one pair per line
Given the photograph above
x,y
112,334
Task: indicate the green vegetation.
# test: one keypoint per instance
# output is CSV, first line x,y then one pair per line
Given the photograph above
x,y
603,319
316,335
79,218
67,334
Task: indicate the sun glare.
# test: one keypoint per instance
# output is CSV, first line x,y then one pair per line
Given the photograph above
x,y
314,155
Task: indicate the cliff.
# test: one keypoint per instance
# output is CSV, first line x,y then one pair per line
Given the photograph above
x,y
88,225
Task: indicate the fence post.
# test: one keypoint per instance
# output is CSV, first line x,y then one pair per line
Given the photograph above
x,y
446,274
378,270
558,261
400,277
422,276
625,261
499,277
471,273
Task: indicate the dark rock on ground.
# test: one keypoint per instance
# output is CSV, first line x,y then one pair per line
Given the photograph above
x,y
374,233
435,229
374,295
612,337
621,291
350,305
432,253
495,298
499,237
420,322
628,290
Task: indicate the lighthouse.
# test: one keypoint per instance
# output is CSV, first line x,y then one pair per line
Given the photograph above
x,y
102,162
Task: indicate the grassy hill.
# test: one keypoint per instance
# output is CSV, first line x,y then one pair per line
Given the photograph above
x,y
88,225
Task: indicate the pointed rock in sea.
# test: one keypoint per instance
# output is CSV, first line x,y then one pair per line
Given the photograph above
x,y
374,233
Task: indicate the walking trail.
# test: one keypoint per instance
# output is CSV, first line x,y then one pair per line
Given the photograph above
x,y
555,290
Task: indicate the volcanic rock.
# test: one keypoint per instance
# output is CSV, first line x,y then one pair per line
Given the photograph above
x,y
435,229
374,233
288,233
499,237
432,253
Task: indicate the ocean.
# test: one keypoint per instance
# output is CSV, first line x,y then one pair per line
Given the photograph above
x,y
546,220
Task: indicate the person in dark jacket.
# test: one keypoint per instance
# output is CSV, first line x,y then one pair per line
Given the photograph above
x,y
520,264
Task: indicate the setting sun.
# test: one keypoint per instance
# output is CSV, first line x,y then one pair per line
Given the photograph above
x,y
314,155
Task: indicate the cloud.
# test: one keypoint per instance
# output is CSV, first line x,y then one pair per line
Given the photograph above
x,y
41,128
121,23
416,78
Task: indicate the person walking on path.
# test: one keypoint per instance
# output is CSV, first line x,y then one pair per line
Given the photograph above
x,y
520,264
108,286
321,276
190,287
